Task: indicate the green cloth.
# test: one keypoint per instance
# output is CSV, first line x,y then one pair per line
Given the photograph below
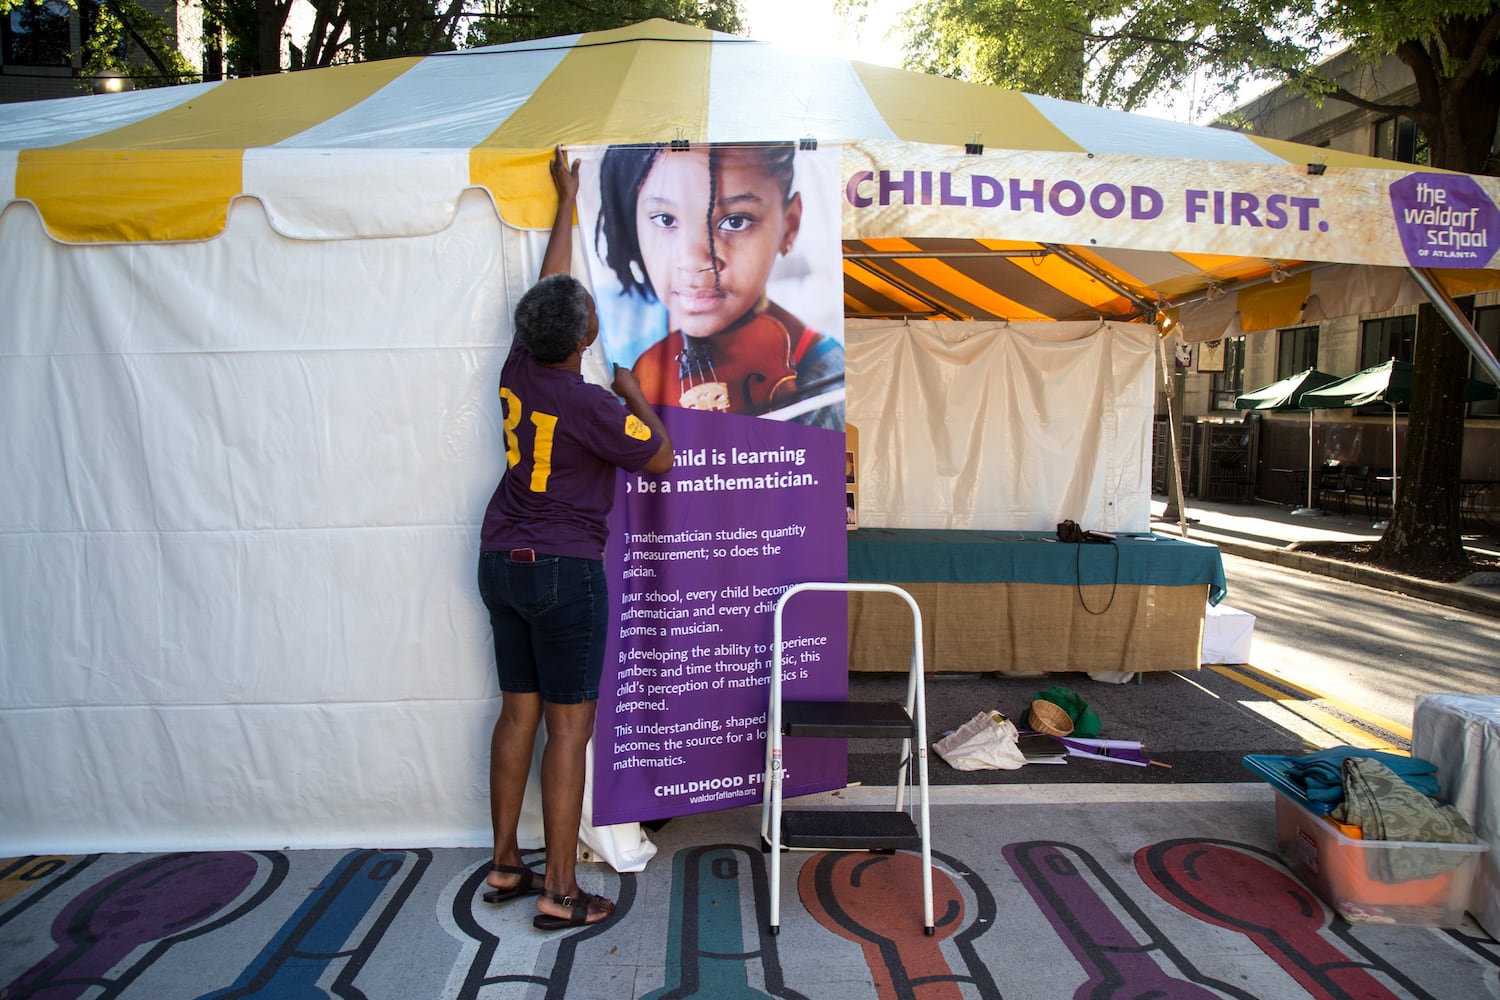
x,y
1385,807
1086,721
942,555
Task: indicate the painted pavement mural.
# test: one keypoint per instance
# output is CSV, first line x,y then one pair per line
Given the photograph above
x,y
1191,918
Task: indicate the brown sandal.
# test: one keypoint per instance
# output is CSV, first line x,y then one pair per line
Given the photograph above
x,y
529,884
578,915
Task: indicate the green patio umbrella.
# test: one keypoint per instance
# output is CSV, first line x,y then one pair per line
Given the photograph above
x,y
1286,394
1388,383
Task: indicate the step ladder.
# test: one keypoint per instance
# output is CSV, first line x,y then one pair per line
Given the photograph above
x,y
848,829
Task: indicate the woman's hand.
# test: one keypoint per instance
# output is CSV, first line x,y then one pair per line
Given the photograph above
x,y
564,177
558,257
626,385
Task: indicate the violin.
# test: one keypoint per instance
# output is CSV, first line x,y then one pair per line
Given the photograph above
x,y
745,369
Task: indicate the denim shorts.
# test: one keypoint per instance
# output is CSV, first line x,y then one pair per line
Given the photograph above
x,y
548,616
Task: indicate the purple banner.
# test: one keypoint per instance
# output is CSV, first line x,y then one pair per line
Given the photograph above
x,y
717,271
698,559
1445,220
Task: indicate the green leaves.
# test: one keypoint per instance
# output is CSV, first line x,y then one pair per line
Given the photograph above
x,y
498,21
1120,54
1113,53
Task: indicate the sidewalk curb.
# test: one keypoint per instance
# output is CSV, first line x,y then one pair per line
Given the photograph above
x,y
1452,595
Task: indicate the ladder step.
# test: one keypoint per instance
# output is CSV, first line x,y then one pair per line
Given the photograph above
x,y
847,719
849,830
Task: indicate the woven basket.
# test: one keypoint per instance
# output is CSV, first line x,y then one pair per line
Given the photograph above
x,y
1050,719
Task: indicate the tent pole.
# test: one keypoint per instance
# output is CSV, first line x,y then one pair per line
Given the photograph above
x,y
1147,309
1309,458
1309,510
1395,477
1175,488
881,274
1250,284
1457,322
1395,469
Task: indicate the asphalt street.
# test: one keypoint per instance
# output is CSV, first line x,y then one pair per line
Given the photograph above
x,y
1369,648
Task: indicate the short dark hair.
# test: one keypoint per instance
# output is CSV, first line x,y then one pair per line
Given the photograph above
x,y
553,317
621,174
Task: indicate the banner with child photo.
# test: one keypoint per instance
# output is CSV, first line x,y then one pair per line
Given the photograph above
x,y
717,273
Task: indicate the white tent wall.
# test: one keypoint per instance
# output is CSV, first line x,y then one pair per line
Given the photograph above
x,y
240,526
1002,426
240,531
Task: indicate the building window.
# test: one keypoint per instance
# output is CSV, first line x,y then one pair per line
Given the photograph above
x,y
88,26
1400,139
1383,339
36,34
1230,383
1296,350
1487,323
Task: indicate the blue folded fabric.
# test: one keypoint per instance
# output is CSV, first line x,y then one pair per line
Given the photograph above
x,y
1322,778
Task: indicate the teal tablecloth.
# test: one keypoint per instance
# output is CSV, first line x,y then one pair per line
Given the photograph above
x,y
922,555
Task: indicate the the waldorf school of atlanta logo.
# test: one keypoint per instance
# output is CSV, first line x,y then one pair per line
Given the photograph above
x,y
1445,220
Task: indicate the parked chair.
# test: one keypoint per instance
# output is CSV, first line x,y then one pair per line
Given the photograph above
x,y
1359,481
1330,483
1380,485
1477,503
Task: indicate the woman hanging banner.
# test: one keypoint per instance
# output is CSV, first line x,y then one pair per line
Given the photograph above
x,y
717,273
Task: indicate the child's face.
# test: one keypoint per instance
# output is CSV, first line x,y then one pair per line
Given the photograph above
x,y
753,222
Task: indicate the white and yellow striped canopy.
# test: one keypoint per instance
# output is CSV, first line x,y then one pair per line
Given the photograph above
x,y
387,149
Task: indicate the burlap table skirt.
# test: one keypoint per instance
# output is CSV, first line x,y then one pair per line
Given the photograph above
x,y
1030,628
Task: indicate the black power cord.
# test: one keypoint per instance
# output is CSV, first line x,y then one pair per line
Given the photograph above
x,y
1078,571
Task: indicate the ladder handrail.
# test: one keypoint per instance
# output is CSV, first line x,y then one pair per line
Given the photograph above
x,y
916,706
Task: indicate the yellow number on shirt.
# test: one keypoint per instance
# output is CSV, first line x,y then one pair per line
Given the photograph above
x,y
541,457
512,419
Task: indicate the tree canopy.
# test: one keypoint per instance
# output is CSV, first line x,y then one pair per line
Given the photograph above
x,y
252,37
514,22
1119,54
360,30
1124,52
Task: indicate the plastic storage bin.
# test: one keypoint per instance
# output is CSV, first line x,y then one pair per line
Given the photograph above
x,y
1376,881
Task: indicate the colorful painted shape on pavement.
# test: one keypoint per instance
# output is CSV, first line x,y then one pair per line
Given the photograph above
x,y
315,941
490,972
1245,890
875,900
707,955
156,902
36,871
1082,903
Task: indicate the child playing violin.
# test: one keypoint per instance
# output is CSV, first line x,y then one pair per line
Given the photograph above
x,y
698,230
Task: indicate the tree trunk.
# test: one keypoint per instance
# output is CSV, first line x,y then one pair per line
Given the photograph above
x,y
1459,113
213,48
270,21
1424,532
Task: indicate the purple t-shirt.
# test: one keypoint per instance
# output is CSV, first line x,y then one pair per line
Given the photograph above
x,y
563,439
